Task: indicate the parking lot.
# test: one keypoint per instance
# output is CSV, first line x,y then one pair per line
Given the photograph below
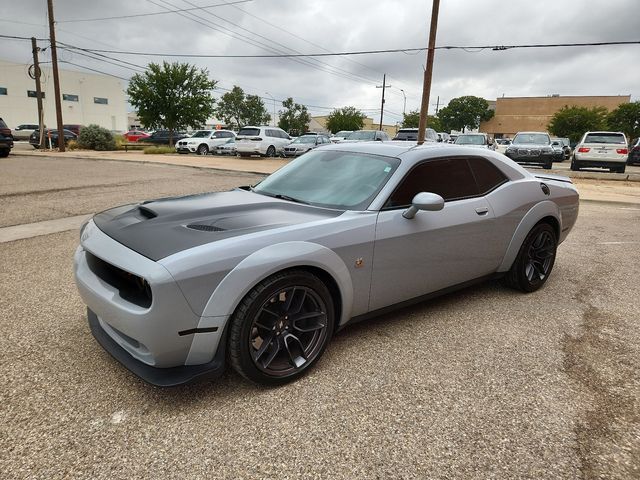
x,y
483,383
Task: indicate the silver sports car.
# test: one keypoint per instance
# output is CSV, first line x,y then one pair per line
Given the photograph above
x,y
261,277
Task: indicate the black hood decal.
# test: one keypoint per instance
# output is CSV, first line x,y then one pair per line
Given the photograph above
x,y
159,228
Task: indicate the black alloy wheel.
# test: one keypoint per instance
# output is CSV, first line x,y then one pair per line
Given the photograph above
x,y
281,328
535,260
271,151
202,150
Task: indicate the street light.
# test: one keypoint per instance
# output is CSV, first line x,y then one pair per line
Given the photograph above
x,y
404,107
274,108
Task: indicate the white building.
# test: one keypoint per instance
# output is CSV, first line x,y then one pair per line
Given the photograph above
x,y
87,98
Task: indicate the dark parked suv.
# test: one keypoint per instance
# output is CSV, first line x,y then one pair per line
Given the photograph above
x,y
161,137
634,152
34,140
6,139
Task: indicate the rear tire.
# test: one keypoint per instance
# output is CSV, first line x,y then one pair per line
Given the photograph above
x,y
548,165
4,153
574,166
622,169
535,260
271,151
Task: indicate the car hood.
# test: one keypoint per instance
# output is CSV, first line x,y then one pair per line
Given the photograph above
x,y
159,228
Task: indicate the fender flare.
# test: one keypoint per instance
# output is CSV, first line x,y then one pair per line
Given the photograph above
x,y
272,259
533,216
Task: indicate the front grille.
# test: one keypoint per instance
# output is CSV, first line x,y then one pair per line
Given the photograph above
x,y
131,288
205,228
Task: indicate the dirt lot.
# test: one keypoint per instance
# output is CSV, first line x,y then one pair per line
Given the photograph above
x,y
483,383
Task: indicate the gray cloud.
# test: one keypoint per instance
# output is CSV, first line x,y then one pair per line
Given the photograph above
x,y
358,25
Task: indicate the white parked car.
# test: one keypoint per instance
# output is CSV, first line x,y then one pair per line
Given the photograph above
x,y
227,148
502,144
203,142
264,141
341,135
601,149
305,143
478,140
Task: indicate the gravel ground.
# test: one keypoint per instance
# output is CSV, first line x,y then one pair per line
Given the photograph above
x,y
33,189
483,383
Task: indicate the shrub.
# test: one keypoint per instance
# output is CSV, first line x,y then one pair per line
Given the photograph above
x,y
119,140
94,137
159,150
72,145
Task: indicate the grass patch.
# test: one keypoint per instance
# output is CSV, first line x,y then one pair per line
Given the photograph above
x,y
159,150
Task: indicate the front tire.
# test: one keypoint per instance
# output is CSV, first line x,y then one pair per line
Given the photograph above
x,y
535,260
547,165
281,328
202,150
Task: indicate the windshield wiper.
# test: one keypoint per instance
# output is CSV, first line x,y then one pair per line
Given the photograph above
x,y
279,196
291,199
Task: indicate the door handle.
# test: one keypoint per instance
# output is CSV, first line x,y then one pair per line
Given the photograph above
x,y
482,210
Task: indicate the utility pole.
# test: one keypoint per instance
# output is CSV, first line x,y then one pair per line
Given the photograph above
x,y
56,78
438,105
383,87
36,76
274,108
428,72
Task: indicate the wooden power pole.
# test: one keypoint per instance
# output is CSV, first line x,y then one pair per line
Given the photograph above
x,y
56,77
36,76
383,87
428,72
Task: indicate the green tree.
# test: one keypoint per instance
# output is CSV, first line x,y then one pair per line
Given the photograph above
x,y
626,118
573,121
172,96
464,112
412,120
238,109
345,118
293,117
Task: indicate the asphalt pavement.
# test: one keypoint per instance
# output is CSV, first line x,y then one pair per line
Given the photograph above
x,y
482,383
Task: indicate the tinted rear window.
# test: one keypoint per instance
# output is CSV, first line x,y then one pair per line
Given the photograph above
x,y
604,138
249,132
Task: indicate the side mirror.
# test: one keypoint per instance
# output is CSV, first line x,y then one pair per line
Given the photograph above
x,y
424,201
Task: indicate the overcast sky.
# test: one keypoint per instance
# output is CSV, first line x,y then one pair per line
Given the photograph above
x,y
306,26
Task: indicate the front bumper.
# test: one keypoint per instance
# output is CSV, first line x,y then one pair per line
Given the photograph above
x,y
160,377
164,336
186,148
540,159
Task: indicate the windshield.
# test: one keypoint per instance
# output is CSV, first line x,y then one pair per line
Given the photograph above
x,y
531,138
616,138
362,135
406,136
305,140
342,180
470,140
342,133
201,134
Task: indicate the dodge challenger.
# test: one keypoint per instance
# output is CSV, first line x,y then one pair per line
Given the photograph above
x,y
262,276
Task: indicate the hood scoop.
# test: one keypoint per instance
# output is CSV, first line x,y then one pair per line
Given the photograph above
x,y
205,228
147,212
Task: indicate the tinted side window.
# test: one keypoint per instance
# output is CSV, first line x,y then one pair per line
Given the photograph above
x,y
271,133
450,178
488,176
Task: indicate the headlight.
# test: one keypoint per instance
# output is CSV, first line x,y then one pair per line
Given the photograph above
x,y
547,149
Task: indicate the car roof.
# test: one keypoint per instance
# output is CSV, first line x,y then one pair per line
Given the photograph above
x,y
527,133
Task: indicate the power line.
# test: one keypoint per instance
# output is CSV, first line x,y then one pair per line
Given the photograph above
x,y
151,14
94,70
373,52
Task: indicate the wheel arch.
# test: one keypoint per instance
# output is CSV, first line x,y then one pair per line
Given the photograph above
x,y
543,212
298,255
